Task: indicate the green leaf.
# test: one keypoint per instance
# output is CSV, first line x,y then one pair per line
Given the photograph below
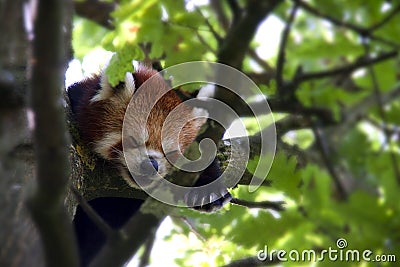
x,y
121,63
283,174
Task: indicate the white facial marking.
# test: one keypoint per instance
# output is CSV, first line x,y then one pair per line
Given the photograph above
x,y
103,146
106,90
130,83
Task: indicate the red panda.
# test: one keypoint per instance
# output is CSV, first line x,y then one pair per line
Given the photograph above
x,y
99,111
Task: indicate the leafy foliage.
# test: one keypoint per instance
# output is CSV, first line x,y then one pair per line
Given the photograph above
x,y
362,146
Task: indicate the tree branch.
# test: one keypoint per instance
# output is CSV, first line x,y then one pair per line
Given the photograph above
x,y
388,17
236,11
143,224
333,20
359,110
364,32
97,11
270,70
92,214
192,228
271,205
391,129
96,177
233,49
232,53
210,27
281,54
382,114
326,154
361,62
291,122
118,250
145,258
216,6
47,203
252,262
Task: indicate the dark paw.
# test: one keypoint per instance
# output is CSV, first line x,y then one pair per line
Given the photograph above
x,y
207,201
215,205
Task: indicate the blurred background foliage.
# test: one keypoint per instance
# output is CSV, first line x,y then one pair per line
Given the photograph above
x,y
337,162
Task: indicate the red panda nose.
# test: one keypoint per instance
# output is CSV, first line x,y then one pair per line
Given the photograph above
x,y
149,166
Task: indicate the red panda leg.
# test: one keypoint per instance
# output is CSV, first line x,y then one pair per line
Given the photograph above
x,y
220,194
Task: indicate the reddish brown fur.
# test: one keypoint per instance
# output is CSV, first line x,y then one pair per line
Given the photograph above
x,y
157,117
105,114
98,118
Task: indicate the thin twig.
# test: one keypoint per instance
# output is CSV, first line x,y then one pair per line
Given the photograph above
x,y
282,47
236,11
192,228
382,114
388,17
92,214
261,62
210,27
330,18
359,63
270,205
326,154
359,110
116,252
391,129
253,262
261,78
233,50
145,258
97,11
217,7
205,43
364,32
290,123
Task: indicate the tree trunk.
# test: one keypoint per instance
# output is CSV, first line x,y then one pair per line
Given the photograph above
x,y
19,239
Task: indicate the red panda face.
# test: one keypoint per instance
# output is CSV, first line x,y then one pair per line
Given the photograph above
x,y
139,124
170,126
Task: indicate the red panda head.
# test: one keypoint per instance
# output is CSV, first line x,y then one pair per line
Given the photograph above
x,y
137,123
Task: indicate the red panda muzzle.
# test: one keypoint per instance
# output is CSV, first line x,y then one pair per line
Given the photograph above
x,y
149,166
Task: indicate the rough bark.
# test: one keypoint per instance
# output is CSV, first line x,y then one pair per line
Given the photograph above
x,y
21,244
48,64
18,237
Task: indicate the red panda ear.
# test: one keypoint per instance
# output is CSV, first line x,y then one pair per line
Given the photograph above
x,y
80,93
125,88
130,83
142,74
